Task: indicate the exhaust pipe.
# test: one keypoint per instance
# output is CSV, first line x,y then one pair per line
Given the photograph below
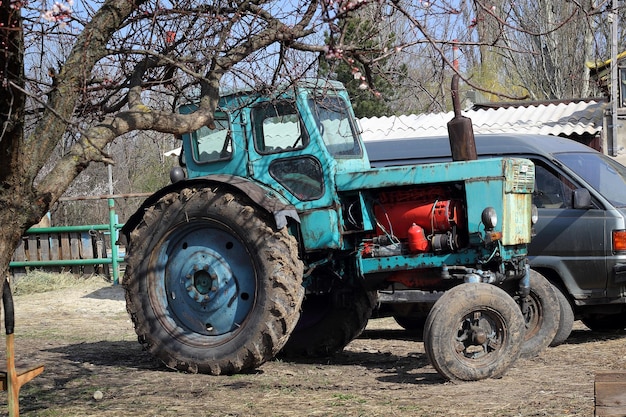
x,y
460,131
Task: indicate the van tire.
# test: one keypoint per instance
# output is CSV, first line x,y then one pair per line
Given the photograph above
x,y
605,322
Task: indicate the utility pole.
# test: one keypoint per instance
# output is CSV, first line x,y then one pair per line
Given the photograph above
x,y
613,145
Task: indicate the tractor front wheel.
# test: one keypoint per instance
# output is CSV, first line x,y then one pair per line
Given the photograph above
x,y
541,314
474,331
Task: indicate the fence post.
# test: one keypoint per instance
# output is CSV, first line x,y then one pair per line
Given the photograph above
x,y
114,236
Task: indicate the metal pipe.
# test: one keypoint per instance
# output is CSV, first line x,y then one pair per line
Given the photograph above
x,y
64,262
113,232
69,229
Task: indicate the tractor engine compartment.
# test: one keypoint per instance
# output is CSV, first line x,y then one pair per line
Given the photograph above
x,y
428,219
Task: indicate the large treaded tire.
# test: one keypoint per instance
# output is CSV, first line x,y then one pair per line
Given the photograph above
x,y
566,321
474,331
411,324
543,316
328,322
211,286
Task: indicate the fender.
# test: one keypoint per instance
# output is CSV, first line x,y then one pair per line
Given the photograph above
x,y
263,197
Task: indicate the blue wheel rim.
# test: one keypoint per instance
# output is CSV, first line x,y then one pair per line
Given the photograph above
x,y
205,282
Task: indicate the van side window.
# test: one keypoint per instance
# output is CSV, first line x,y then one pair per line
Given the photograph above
x,y
552,190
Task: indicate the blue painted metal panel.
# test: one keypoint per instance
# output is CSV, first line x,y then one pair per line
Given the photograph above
x,y
412,262
420,174
320,229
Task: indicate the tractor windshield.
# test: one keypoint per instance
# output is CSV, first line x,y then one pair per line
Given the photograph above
x,y
336,126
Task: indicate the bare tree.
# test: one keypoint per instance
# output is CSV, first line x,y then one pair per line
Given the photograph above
x,y
117,66
121,54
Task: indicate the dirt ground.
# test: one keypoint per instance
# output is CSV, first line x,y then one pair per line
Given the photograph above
x,y
85,339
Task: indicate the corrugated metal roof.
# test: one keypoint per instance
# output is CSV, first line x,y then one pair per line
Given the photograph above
x,y
565,119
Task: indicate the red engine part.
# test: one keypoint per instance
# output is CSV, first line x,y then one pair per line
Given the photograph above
x,y
403,208
417,239
424,280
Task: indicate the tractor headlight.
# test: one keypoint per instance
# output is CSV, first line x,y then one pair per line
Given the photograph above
x,y
489,218
534,215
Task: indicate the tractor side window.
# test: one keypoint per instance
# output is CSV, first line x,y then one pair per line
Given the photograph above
x,y
278,128
211,145
302,177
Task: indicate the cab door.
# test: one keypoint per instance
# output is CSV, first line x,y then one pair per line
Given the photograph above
x,y
285,156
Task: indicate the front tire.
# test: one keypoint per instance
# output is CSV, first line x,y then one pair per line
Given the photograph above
x,y
566,321
542,316
474,331
210,285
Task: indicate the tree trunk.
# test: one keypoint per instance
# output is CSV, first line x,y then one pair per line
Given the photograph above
x,y
18,210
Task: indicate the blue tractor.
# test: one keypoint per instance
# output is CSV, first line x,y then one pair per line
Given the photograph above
x,y
277,236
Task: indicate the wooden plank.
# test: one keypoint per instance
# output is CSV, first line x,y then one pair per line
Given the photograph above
x,y
102,253
55,247
86,252
19,255
64,238
33,251
75,243
610,393
55,251
65,246
44,246
610,411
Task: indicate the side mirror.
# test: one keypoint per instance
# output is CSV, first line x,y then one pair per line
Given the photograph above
x,y
581,199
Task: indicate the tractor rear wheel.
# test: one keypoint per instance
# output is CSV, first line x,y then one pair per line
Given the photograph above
x,y
211,285
474,331
330,320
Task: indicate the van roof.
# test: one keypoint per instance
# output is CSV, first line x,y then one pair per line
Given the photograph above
x,y
438,147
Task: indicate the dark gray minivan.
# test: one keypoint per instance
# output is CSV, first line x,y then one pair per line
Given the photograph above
x,y
580,241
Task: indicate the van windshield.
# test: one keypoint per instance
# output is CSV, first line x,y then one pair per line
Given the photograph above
x,y
604,174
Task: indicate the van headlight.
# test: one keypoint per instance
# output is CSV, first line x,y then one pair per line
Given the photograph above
x,y
489,218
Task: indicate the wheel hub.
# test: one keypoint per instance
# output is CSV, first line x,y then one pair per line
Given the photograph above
x,y
204,279
475,338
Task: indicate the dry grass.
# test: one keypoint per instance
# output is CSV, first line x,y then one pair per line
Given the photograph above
x,y
36,281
